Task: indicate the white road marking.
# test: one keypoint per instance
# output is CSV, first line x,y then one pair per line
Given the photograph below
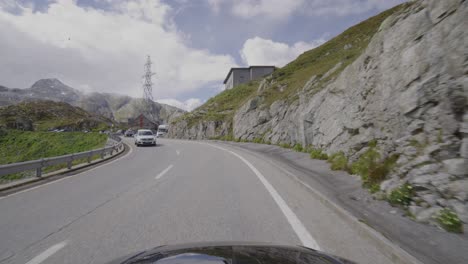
x,y
70,177
177,152
49,252
163,172
296,224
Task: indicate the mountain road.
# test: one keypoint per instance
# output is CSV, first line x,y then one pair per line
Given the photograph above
x,y
176,192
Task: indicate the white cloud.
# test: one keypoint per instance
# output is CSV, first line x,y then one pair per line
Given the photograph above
x,y
269,8
346,7
104,49
259,51
215,5
187,105
281,9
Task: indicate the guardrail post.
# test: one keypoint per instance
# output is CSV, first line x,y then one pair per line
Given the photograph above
x,y
39,170
69,162
103,153
90,156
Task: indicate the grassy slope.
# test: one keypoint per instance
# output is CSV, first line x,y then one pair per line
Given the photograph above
x,y
17,146
221,107
318,61
49,114
293,76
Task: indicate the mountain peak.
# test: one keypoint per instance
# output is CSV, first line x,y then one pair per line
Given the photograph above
x,y
49,83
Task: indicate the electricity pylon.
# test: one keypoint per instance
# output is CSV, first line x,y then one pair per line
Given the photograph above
x,y
148,90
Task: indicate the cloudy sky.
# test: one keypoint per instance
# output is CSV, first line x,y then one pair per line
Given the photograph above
x,y
101,45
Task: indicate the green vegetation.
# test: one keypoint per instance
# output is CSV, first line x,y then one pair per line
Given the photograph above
x,y
449,220
257,140
45,115
338,161
373,188
317,154
221,107
18,146
371,168
285,145
402,195
298,147
440,136
317,62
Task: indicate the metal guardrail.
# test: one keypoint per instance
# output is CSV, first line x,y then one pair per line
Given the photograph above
x,y
41,163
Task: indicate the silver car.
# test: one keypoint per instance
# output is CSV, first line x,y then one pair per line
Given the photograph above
x,y
145,137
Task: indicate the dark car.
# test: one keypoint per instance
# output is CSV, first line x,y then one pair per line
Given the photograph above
x,y
129,133
230,253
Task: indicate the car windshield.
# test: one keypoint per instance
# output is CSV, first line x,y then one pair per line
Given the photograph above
x,y
145,133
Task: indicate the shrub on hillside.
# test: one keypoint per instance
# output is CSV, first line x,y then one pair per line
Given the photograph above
x,y
371,168
298,147
402,195
318,154
449,220
338,161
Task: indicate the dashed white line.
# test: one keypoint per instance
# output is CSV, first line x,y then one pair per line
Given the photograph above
x,y
49,252
163,172
304,236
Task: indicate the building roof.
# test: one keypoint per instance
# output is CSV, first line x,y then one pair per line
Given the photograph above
x,y
246,68
144,116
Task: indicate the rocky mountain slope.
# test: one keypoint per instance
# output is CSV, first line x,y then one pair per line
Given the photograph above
x,y
46,115
392,90
113,106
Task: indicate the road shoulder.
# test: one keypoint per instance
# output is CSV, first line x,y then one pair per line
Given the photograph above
x,y
342,191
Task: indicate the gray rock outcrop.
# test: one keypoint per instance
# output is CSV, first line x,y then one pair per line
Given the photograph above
x,y
408,91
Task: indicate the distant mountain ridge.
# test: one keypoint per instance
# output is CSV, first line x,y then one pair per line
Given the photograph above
x,y
117,107
44,115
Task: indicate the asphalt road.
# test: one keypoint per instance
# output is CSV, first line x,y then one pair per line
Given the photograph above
x,y
177,192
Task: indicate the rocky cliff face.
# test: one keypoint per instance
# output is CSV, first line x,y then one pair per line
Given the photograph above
x,y
408,91
117,107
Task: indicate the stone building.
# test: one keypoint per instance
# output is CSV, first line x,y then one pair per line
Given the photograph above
x,y
238,76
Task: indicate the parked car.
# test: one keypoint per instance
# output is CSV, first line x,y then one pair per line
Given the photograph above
x,y
145,137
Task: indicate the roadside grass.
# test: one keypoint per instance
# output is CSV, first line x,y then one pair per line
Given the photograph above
x,y
18,146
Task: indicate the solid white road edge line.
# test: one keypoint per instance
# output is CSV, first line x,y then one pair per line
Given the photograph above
x,y
49,252
163,172
304,236
62,179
